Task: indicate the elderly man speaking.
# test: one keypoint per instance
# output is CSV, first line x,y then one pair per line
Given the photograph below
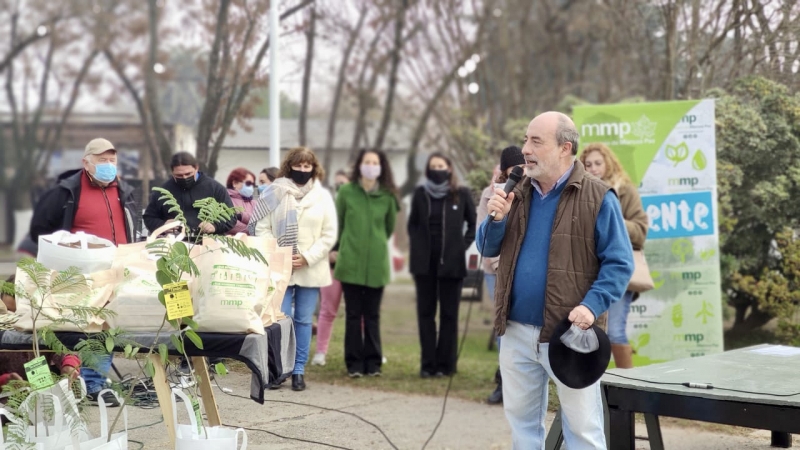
x,y
564,253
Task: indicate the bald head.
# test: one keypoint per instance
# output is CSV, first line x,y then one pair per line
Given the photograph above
x,y
562,127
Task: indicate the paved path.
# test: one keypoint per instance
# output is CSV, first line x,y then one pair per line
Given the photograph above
x,y
406,419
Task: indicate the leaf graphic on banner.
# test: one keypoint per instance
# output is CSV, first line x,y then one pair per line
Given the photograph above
x,y
643,340
677,153
699,160
707,254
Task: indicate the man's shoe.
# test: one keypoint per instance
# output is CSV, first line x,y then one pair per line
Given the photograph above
x,y
108,398
298,384
425,374
355,374
496,397
318,360
377,373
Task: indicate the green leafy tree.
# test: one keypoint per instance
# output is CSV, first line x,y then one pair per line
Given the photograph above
x,y
758,149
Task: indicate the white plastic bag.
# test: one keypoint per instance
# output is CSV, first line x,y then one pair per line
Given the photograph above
x,y
209,438
118,441
46,413
135,299
62,250
231,291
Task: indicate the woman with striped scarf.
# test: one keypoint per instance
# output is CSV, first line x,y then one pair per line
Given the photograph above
x,y
300,213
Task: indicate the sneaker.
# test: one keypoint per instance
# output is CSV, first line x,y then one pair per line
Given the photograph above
x,y
355,374
377,373
496,397
109,399
319,359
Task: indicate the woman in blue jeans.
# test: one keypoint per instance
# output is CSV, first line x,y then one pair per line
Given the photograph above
x,y
601,162
300,213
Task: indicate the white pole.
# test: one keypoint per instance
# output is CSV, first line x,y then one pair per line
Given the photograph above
x,y
274,89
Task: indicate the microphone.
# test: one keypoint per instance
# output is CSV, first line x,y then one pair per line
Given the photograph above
x,y
513,179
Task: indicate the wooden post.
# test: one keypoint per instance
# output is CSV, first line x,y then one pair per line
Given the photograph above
x,y
164,394
208,400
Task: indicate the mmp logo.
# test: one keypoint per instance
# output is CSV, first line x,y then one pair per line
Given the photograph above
x,y
644,128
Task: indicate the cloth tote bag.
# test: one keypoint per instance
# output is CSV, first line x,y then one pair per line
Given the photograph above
x,y
95,293
187,437
641,281
62,250
229,294
118,441
135,298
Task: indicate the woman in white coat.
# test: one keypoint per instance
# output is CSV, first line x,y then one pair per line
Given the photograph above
x,y
300,213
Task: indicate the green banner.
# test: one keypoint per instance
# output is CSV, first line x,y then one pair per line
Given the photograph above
x,y
668,149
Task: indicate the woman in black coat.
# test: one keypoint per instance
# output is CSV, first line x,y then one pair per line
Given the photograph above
x,y
441,226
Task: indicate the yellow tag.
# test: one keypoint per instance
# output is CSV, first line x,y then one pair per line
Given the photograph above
x,y
179,301
38,373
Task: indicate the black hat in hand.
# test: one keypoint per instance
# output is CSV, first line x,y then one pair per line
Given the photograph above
x,y
574,362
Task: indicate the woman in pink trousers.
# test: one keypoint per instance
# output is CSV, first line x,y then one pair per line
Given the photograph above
x,y
330,296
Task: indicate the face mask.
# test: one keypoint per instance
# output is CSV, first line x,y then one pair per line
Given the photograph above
x,y
262,188
105,172
300,178
499,185
186,183
246,191
370,172
438,176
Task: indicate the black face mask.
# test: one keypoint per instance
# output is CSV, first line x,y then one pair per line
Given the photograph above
x,y
438,176
300,178
186,183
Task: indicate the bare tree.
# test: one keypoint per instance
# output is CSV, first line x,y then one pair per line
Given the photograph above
x,y
309,59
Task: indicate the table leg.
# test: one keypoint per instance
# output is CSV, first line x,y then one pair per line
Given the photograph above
x,y
206,390
781,439
622,430
555,437
654,432
164,394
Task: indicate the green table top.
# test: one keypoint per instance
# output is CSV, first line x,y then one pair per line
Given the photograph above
x,y
769,374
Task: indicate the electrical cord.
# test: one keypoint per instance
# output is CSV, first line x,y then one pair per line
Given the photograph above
x,y
706,386
312,406
458,355
309,441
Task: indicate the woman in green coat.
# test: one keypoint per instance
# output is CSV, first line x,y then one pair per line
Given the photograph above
x,y
367,208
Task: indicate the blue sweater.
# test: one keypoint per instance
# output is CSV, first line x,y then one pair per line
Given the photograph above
x,y
613,249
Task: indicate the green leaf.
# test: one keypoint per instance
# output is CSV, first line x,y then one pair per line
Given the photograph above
x,y
110,344
149,369
180,248
195,338
163,277
163,351
699,160
220,369
161,298
177,343
135,351
128,350
190,322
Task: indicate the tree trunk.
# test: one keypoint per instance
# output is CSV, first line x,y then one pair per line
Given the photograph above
x,y
339,87
151,88
398,44
307,77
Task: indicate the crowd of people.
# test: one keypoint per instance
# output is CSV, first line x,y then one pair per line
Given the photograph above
x,y
539,268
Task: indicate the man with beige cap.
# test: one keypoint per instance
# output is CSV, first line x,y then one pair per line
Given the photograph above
x,y
94,200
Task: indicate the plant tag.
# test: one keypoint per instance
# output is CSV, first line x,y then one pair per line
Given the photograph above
x,y
197,415
178,299
38,373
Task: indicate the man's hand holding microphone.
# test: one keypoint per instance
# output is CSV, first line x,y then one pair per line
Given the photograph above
x,y
500,203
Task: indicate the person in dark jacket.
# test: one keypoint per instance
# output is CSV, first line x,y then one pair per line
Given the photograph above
x,y
92,199
188,185
440,209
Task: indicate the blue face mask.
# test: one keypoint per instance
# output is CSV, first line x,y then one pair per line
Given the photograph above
x,y
246,191
262,188
105,172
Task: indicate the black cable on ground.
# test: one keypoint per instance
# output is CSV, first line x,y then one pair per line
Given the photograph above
x,y
318,407
309,441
